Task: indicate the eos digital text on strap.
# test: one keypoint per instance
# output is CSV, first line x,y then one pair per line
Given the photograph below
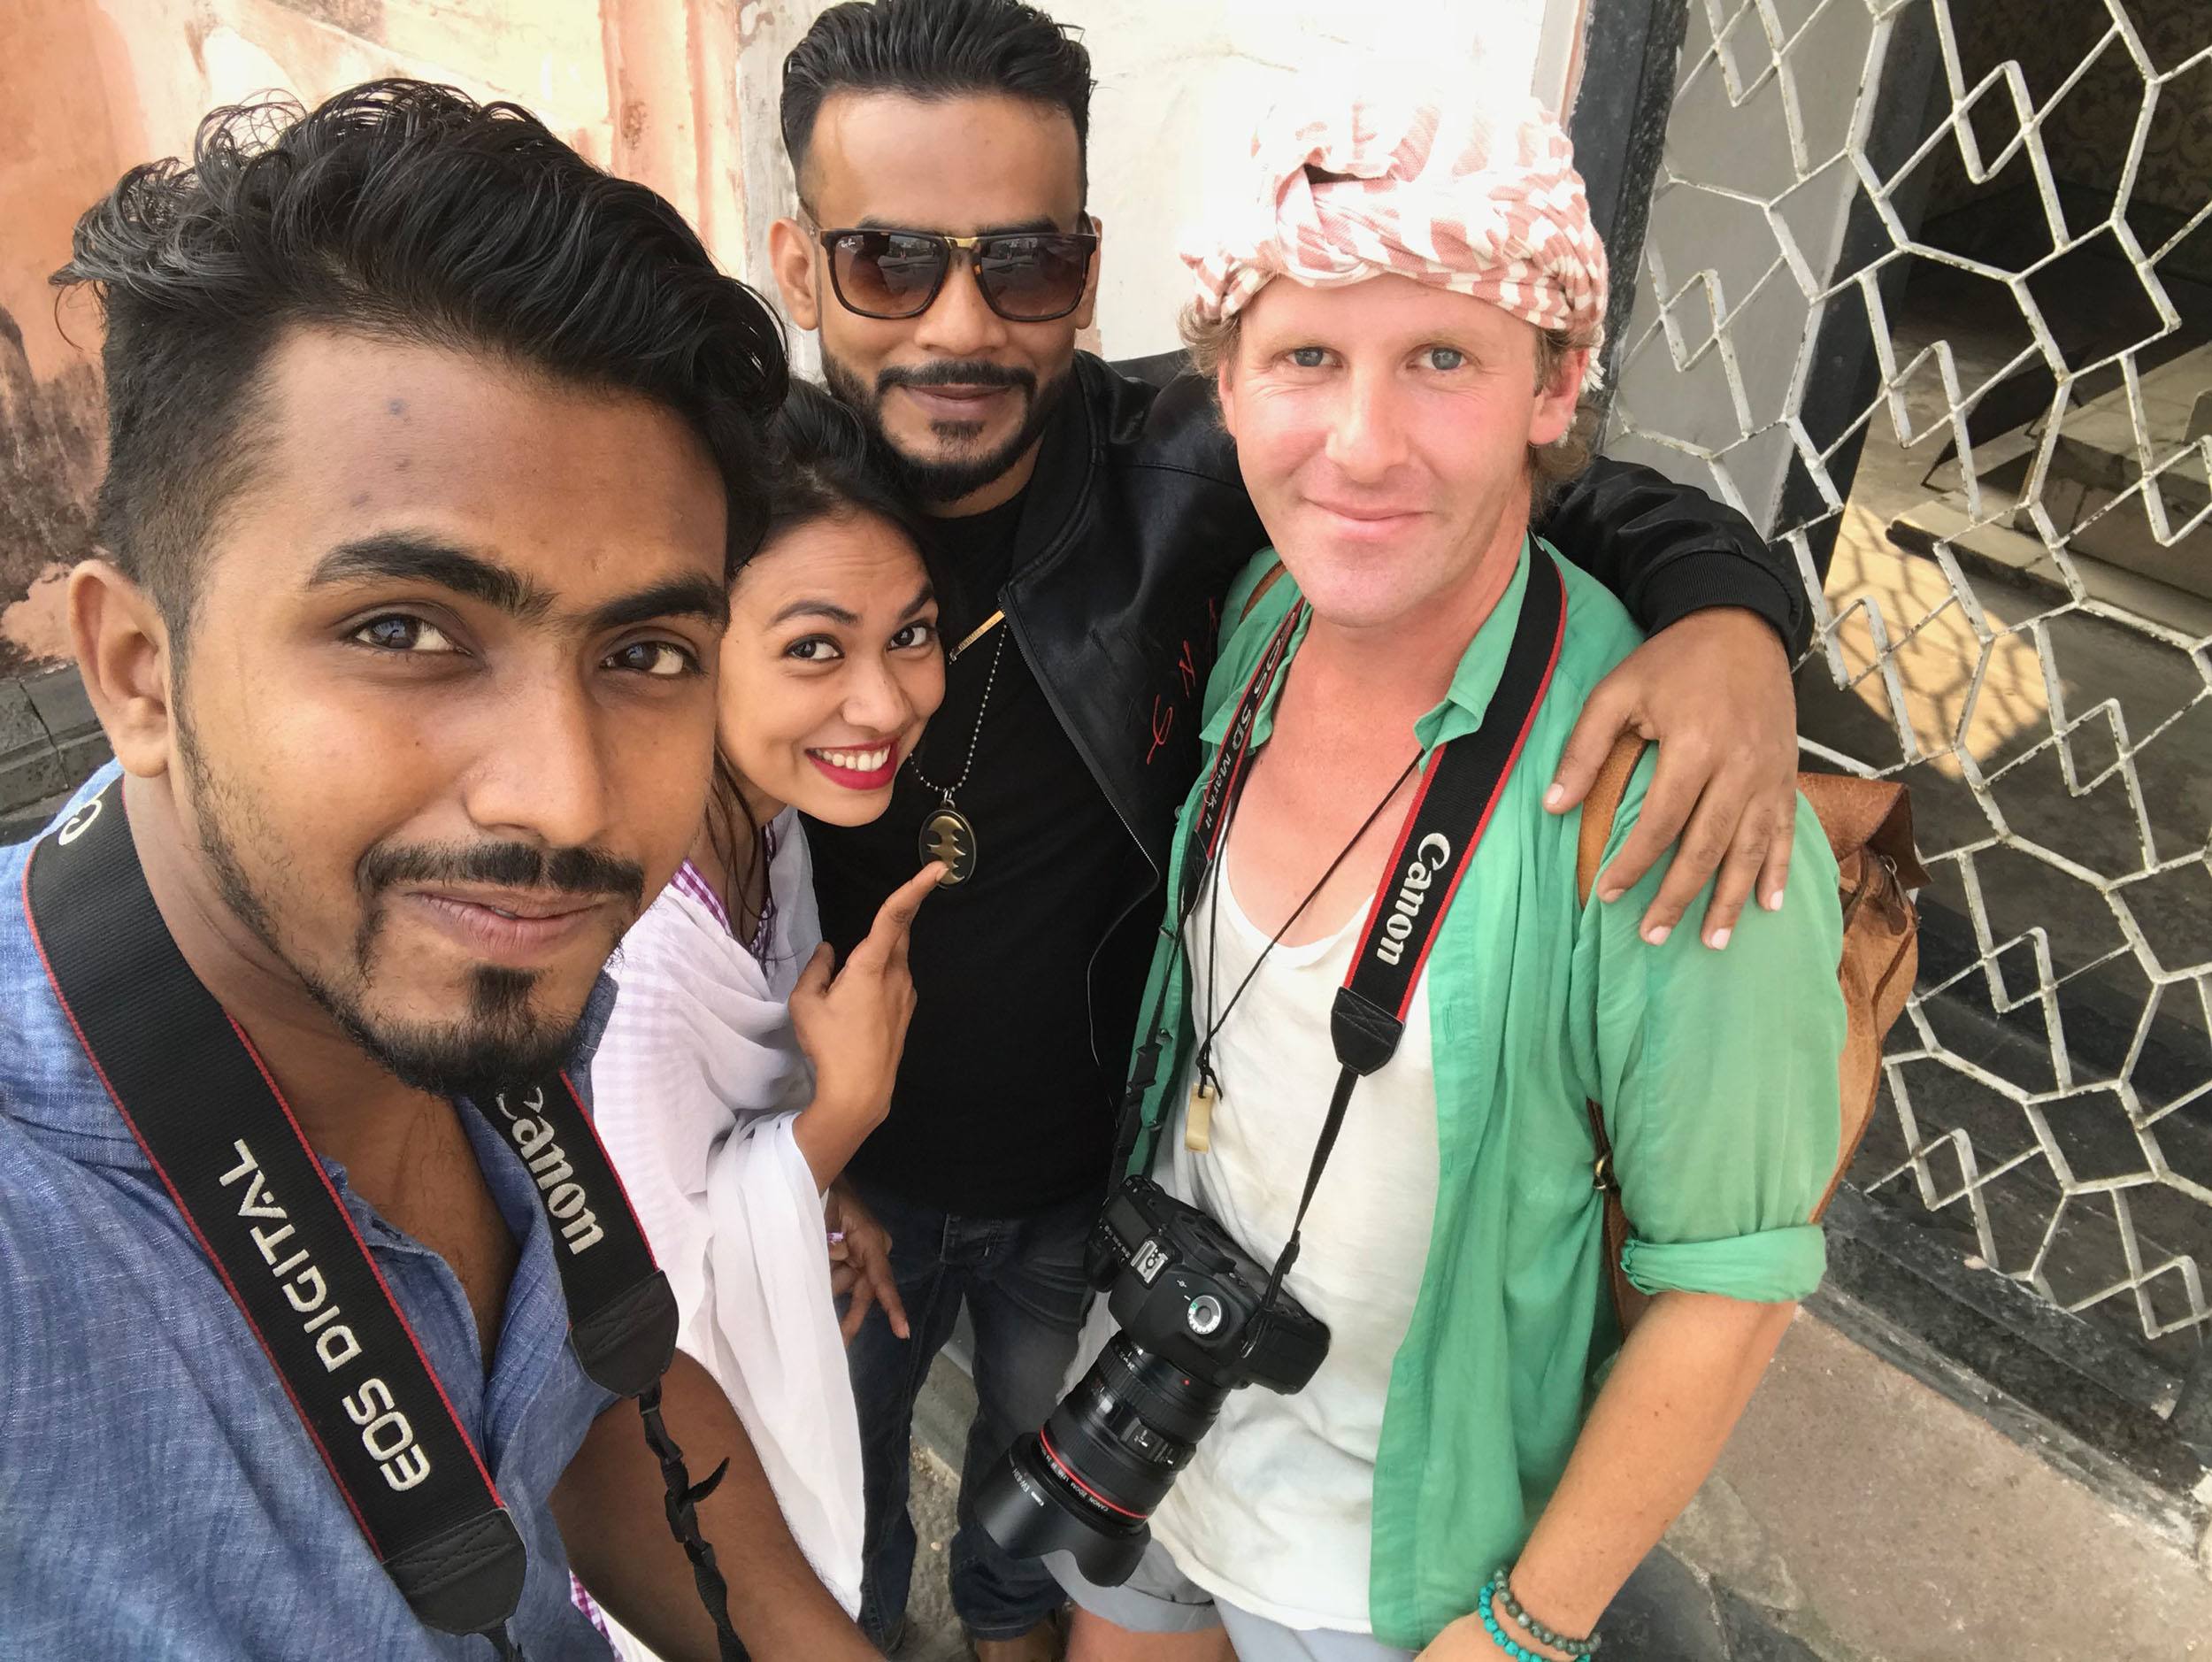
x,y
225,1145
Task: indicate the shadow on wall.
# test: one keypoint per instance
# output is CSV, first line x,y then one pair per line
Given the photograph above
x,y
50,468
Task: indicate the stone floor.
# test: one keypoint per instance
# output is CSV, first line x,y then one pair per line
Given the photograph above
x,y
933,1631
1669,1613
1856,1516
940,1426
1871,1517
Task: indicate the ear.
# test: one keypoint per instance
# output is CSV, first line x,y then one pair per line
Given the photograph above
x,y
123,656
1554,410
1085,312
791,257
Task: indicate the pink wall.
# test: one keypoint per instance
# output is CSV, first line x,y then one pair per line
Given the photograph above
x,y
650,87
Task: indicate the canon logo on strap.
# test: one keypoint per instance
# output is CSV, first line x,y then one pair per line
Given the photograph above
x,y
565,1198
1431,857
80,821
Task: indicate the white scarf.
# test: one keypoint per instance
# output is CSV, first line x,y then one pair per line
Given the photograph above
x,y
695,1085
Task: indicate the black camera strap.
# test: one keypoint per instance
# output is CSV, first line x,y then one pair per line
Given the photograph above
x,y
198,1100
1458,792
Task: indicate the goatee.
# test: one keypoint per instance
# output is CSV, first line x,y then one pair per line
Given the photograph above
x,y
500,1037
947,478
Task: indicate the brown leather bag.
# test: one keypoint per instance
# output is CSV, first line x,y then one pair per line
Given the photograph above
x,y
1869,824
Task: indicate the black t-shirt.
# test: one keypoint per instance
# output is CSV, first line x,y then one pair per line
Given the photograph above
x,y
1002,1107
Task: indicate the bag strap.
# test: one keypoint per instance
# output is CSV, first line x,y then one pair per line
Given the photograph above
x,y
1600,809
1259,591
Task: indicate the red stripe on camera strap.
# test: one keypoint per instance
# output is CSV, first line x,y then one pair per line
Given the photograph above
x,y
1226,780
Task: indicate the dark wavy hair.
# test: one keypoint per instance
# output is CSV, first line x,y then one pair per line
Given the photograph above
x,y
935,49
410,212
826,468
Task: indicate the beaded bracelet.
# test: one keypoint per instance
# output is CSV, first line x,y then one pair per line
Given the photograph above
x,y
1587,1646
1584,1646
1519,1653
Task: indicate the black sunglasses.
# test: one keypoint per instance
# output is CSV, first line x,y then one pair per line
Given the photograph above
x,y
1025,276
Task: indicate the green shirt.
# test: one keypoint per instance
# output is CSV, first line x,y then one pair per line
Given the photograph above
x,y
1717,1072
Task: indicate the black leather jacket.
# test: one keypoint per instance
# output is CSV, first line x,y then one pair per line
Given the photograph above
x,y
1135,524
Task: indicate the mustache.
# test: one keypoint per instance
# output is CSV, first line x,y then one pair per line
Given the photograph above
x,y
974,373
577,871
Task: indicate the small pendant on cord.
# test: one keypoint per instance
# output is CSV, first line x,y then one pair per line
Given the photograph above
x,y
1198,1124
947,835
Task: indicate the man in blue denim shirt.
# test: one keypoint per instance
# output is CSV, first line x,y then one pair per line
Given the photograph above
x,y
431,448
160,1496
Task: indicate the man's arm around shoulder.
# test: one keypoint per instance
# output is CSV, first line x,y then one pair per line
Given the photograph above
x,y
1669,549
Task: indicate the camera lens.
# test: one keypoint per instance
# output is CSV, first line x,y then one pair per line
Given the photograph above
x,y
1087,1483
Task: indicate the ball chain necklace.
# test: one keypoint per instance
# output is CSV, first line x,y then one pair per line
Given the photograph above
x,y
947,834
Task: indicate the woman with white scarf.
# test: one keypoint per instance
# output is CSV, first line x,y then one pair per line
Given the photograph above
x,y
737,1074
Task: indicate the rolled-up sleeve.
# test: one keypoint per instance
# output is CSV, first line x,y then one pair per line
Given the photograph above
x,y
1716,1074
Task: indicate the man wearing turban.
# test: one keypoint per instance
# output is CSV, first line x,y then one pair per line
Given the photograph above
x,y
1399,323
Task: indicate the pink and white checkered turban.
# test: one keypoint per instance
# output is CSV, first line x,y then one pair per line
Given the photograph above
x,y
1479,195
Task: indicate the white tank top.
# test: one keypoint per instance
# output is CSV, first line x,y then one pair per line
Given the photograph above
x,y
1273,1512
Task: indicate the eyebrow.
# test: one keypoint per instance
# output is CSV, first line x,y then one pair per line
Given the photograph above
x,y
700,597
816,609
838,614
409,557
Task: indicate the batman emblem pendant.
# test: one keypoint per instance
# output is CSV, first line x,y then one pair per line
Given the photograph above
x,y
948,836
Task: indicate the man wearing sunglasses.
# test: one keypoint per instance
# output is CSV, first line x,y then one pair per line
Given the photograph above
x,y
1087,526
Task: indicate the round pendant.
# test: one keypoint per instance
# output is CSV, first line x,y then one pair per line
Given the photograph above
x,y
948,836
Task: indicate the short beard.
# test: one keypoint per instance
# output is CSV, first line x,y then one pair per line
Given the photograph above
x,y
498,1043
931,479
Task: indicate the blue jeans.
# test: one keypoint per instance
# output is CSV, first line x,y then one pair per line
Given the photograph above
x,y
1022,1281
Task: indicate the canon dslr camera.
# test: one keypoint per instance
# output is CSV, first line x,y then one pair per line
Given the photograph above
x,y
1193,1329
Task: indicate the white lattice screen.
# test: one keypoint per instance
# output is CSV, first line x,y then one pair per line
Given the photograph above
x,y
2017,613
